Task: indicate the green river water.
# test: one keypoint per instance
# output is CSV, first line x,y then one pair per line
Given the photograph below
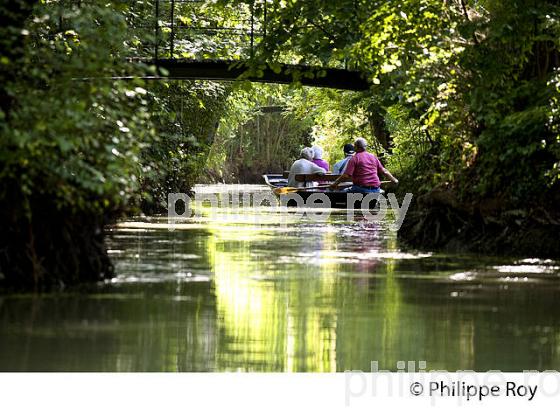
x,y
259,289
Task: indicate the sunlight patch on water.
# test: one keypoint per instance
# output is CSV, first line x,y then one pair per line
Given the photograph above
x,y
463,276
537,261
327,257
515,279
228,188
128,279
526,269
376,254
232,224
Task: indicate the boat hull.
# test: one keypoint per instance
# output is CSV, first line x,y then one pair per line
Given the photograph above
x,y
327,199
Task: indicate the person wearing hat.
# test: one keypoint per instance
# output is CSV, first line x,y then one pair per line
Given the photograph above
x,y
318,158
364,168
340,166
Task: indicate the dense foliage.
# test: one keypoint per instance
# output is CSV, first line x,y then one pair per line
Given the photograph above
x,y
78,148
69,147
185,116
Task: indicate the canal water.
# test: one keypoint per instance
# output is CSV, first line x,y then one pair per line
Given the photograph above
x,y
262,289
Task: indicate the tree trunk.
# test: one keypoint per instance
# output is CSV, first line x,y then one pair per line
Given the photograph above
x,y
379,128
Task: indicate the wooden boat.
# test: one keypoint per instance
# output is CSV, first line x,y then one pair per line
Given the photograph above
x,y
338,199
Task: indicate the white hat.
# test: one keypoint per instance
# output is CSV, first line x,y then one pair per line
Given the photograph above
x,y
317,152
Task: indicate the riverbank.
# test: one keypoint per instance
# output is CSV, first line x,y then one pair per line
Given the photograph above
x,y
439,221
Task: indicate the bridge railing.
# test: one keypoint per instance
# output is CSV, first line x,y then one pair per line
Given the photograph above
x,y
193,29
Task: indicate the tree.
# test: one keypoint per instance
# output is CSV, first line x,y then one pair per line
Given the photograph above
x,y
69,147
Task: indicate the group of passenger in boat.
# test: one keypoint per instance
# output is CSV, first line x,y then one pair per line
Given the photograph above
x,y
359,165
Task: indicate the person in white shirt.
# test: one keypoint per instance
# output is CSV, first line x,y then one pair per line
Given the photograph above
x,y
303,166
340,166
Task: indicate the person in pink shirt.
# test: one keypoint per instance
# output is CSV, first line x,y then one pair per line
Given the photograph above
x,y
364,168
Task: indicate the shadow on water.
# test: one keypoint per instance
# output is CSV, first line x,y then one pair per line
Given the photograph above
x,y
262,290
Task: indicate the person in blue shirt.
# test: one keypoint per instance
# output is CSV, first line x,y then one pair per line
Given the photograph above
x,y
340,166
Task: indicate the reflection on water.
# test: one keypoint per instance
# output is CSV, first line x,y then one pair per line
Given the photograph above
x,y
244,291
